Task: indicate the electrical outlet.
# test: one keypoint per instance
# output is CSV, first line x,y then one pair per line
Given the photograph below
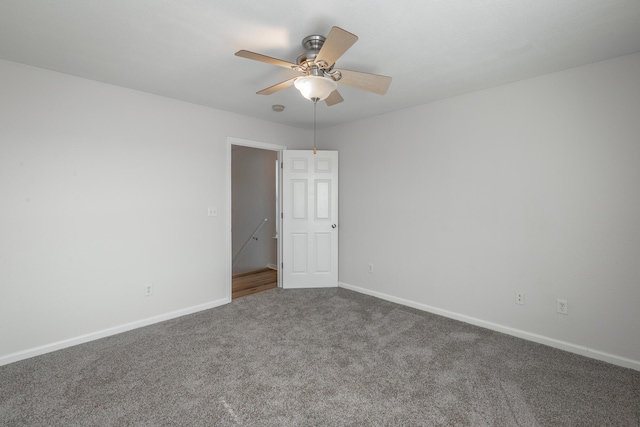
x,y
519,297
370,268
562,306
211,211
148,290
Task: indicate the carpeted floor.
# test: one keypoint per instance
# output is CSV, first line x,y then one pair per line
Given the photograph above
x,y
315,358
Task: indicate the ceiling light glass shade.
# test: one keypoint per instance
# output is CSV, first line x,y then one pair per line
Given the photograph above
x,y
315,87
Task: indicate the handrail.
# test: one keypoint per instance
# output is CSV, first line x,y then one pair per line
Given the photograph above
x,y
253,237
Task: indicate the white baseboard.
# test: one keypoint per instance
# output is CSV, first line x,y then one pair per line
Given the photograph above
x,y
540,339
59,345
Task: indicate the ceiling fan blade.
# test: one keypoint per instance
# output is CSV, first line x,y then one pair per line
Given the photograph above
x,y
370,82
275,88
338,42
334,98
264,58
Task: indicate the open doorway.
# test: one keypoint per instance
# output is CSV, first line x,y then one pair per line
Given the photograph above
x,y
254,216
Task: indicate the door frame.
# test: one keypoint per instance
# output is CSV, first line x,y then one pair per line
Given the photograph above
x,y
229,252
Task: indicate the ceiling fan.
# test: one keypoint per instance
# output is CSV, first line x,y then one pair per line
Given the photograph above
x,y
318,78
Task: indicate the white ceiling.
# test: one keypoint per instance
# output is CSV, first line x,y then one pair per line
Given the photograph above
x,y
433,49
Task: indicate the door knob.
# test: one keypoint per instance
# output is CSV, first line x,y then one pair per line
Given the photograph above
x,y
333,226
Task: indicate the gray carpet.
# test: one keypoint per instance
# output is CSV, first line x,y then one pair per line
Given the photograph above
x,y
315,358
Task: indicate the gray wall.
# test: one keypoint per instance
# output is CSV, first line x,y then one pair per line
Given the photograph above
x,y
532,186
102,191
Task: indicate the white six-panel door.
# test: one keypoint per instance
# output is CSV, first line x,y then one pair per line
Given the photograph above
x,y
309,219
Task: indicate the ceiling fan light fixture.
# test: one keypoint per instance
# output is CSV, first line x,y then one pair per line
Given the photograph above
x,y
315,88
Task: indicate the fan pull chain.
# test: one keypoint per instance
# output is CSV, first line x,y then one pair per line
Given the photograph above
x,y
315,105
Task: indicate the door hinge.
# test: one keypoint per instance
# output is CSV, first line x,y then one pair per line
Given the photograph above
x,y
282,215
282,265
281,165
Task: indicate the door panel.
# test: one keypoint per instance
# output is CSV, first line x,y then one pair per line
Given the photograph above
x,y
323,252
299,197
310,218
323,199
299,250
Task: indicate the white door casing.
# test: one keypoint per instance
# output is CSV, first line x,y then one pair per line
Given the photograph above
x,y
309,219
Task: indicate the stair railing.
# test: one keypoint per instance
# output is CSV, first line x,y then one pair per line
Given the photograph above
x,y
253,237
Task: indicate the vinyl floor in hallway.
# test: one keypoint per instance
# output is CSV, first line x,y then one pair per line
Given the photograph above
x,y
252,282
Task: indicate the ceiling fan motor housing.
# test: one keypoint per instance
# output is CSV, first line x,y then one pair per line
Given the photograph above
x,y
313,42
307,60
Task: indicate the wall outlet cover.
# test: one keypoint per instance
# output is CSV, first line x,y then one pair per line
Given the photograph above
x,y
562,306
